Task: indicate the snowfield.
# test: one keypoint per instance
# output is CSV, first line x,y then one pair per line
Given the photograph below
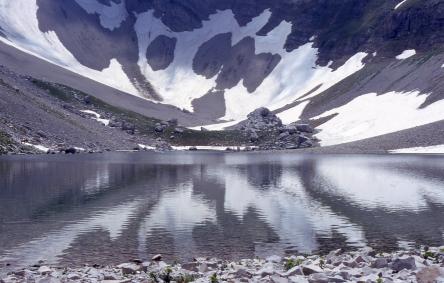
x,y
294,76
435,149
406,54
372,115
18,20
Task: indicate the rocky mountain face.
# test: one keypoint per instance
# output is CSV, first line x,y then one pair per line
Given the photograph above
x,y
309,61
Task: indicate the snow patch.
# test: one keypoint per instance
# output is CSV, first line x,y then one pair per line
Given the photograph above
x,y
216,127
435,149
96,116
372,115
292,115
37,146
146,147
19,21
400,4
212,148
406,54
296,75
111,17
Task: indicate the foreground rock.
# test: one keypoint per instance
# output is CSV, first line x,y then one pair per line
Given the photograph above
x,y
426,265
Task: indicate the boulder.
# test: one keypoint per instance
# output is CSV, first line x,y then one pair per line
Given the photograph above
x,y
178,130
129,268
73,276
274,258
254,137
403,263
380,263
173,122
430,274
260,119
297,270
304,128
278,279
291,129
158,128
242,273
44,270
311,269
71,150
157,257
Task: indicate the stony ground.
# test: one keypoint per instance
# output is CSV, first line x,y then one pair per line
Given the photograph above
x,y
36,115
422,265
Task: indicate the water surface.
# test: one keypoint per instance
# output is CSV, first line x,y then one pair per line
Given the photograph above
x,y
103,209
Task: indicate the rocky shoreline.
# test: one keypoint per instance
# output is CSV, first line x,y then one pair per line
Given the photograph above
x,y
421,265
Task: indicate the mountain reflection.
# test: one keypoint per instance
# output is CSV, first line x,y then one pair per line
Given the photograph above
x,y
120,206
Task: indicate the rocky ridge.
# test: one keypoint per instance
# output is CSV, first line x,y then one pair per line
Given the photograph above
x,y
421,265
265,130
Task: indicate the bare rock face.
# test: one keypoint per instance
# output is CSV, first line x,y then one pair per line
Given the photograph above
x,y
160,53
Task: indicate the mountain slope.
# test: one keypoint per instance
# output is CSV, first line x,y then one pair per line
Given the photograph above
x,y
348,66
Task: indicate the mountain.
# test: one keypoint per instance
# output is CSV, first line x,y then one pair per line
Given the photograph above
x,y
355,69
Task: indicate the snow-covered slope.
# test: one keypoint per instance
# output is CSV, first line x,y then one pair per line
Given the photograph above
x,y
223,59
178,84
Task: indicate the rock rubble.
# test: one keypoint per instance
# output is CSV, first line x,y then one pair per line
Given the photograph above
x,y
422,265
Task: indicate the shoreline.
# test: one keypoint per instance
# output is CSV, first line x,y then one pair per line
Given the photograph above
x,y
365,265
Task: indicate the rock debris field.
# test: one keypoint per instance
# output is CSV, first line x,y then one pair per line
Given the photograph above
x,y
366,265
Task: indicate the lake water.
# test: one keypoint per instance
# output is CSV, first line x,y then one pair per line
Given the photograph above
x,y
110,208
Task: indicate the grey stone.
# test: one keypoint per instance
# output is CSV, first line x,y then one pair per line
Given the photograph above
x,y
129,268
73,276
305,128
403,263
430,274
380,263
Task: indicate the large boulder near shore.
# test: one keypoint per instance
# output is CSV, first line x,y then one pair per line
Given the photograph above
x,y
261,119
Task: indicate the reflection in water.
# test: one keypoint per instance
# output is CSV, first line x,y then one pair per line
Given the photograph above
x,y
110,208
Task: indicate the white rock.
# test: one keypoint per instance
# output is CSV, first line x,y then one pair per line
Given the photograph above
x,y
44,270
267,269
274,258
129,268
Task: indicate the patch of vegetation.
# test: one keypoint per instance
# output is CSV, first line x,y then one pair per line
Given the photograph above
x,y
54,90
166,276
213,278
290,263
185,278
